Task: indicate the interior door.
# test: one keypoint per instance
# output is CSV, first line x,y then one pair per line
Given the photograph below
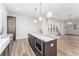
x,y
11,26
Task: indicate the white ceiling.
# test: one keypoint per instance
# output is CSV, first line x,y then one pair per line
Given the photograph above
x,y
60,10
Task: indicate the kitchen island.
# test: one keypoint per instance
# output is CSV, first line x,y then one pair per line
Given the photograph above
x,y
43,45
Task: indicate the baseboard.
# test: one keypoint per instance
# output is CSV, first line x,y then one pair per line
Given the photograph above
x,y
21,38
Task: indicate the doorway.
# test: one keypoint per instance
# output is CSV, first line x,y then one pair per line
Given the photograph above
x,y
11,26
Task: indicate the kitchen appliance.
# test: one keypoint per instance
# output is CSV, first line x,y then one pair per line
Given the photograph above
x,y
39,46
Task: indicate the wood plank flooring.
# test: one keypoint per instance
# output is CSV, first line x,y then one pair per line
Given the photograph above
x,y
21,47
67,45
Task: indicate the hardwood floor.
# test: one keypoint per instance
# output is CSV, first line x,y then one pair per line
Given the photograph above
x,y
21,47
67,45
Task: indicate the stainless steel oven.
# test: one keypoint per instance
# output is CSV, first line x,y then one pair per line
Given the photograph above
x,y
39,45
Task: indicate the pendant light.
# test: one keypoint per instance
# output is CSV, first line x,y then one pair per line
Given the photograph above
x,y
49,14
35,20
40,17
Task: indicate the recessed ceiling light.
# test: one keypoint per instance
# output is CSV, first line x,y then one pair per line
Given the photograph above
x,y
17,9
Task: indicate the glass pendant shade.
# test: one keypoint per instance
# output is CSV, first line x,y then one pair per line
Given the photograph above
x,y
49,14
35,21
40,18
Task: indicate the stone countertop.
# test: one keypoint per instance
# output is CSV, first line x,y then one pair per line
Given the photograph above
x,y
43,37
4,41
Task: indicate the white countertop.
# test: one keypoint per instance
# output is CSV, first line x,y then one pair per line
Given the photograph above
x,y
50,35
43,37
4,41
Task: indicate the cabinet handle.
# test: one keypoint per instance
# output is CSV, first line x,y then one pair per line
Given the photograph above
x,y
51,45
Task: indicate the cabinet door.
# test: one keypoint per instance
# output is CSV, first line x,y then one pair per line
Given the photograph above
x,y
10,47
33,43
7,51
31,40
50,48
3,53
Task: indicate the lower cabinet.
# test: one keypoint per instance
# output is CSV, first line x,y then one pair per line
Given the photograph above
x,y
31,41
10,45
5,52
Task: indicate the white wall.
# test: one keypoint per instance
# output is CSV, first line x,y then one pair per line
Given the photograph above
x,y
3,19
24,25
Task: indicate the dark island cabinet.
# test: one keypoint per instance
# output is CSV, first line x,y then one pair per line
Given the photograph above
x,y
50,48
31,40
42,48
